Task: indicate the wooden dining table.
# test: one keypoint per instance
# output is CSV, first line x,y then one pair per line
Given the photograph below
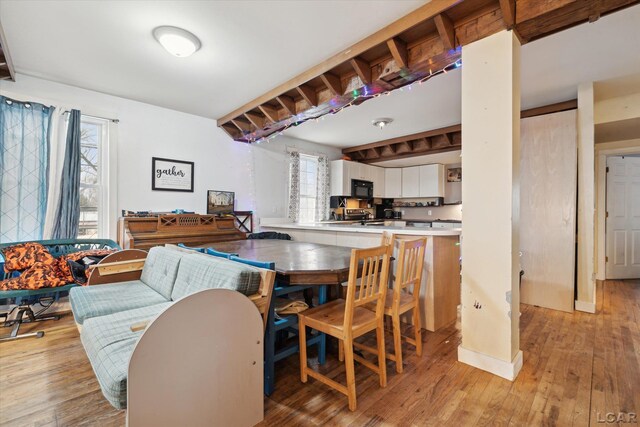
x,y
299,266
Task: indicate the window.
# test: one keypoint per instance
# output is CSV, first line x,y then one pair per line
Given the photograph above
x,y
308,188
93,178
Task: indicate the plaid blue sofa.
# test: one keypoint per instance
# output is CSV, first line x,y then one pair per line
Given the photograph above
x,y
107,312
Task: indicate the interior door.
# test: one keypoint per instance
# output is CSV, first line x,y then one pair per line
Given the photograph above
x,y
623,218
548,186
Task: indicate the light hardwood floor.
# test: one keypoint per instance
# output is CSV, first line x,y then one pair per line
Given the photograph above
x,y
577,368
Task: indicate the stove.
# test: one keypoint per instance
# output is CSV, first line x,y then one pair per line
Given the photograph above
x,y
356,214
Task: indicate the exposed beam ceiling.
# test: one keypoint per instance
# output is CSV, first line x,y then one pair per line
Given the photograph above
x,y
433,141
408,50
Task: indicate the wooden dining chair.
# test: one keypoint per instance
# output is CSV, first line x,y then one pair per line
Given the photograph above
x,y
349,319
404,297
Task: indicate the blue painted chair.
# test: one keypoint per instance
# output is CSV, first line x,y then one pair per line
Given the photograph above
x,y
182,245
25,298
284,323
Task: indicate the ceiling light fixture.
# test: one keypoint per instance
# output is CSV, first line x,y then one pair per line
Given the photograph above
x,y
380,123
177,41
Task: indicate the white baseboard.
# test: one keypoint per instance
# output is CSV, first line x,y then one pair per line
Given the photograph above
x,y
587,307
501,368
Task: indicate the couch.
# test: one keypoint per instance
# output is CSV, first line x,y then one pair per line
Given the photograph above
x,y
108,314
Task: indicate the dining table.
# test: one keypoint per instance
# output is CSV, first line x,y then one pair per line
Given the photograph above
x,y
299,266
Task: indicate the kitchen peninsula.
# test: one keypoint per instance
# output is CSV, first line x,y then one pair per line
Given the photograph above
x,y
440,291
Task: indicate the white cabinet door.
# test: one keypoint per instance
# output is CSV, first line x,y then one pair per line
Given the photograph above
x,y
432,180
378,182
392,183
411,181
340,178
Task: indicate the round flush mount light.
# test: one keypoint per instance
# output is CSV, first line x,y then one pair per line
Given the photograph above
x,y
380,123
177,41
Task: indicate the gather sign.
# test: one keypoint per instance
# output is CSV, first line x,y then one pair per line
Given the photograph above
x,y
171,175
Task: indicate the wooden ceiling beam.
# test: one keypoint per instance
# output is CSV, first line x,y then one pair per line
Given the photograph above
x,y
308,94
362,69
446,31
287,103
421,14
401,139
242,125
231,130
458,22
508,8
398,50
333,83
256,120
448,138
270,112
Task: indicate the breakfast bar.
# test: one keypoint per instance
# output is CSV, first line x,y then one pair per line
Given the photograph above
x,y
440,291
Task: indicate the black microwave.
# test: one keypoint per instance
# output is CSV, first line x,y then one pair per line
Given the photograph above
x,y
361,189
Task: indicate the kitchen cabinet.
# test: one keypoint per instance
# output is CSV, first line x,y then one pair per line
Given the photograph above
x,y
343,171
392,182
340,178
431,179
378,181
411,181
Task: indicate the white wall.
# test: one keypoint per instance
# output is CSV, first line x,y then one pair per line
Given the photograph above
x,y
258,174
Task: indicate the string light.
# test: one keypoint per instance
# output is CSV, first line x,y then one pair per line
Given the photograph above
x,y
299,118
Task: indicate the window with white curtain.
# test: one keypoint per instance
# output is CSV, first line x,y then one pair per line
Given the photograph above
x,y
94,137
308,187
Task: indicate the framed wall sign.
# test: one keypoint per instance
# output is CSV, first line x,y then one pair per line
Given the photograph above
x,y
171,175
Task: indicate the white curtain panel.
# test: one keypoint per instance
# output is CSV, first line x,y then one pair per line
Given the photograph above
x,y
294,186
58,132
323,189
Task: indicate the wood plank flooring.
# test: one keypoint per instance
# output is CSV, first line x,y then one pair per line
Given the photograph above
x,y
577,368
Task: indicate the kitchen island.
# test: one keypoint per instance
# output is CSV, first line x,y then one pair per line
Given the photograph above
x,y
440,290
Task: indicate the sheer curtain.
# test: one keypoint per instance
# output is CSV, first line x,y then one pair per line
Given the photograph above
x,y
68,212
294,186
24,163
323,189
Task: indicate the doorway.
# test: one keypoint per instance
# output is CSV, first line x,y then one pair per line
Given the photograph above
x,y
622,232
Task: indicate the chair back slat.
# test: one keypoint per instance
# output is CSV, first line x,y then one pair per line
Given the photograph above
x,y
373,263
410,266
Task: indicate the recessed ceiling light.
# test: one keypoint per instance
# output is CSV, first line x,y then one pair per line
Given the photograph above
x,y
381,122
177,41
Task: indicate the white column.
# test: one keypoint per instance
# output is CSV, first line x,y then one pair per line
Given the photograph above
x,y
490,214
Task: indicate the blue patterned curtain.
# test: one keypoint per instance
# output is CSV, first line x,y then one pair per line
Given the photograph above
x,y
68,213
24,164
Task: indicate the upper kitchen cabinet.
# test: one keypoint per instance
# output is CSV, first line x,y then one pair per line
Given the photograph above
x,y
343,171
392,183
340,178
379,185
431,181
411,181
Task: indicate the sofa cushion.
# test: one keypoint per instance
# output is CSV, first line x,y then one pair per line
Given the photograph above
x,y
100,300
198,272
109,343
160,269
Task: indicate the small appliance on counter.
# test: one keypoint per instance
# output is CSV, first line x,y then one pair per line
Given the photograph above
x,y
397,214
383,208
356,215
388,214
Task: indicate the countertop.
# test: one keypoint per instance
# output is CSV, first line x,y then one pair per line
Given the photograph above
x,y
358,228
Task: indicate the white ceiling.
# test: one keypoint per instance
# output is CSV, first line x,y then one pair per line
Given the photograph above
x,y
248,47
251,47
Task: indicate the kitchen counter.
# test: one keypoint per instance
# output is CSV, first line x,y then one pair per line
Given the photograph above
x,y
440,288
359,228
